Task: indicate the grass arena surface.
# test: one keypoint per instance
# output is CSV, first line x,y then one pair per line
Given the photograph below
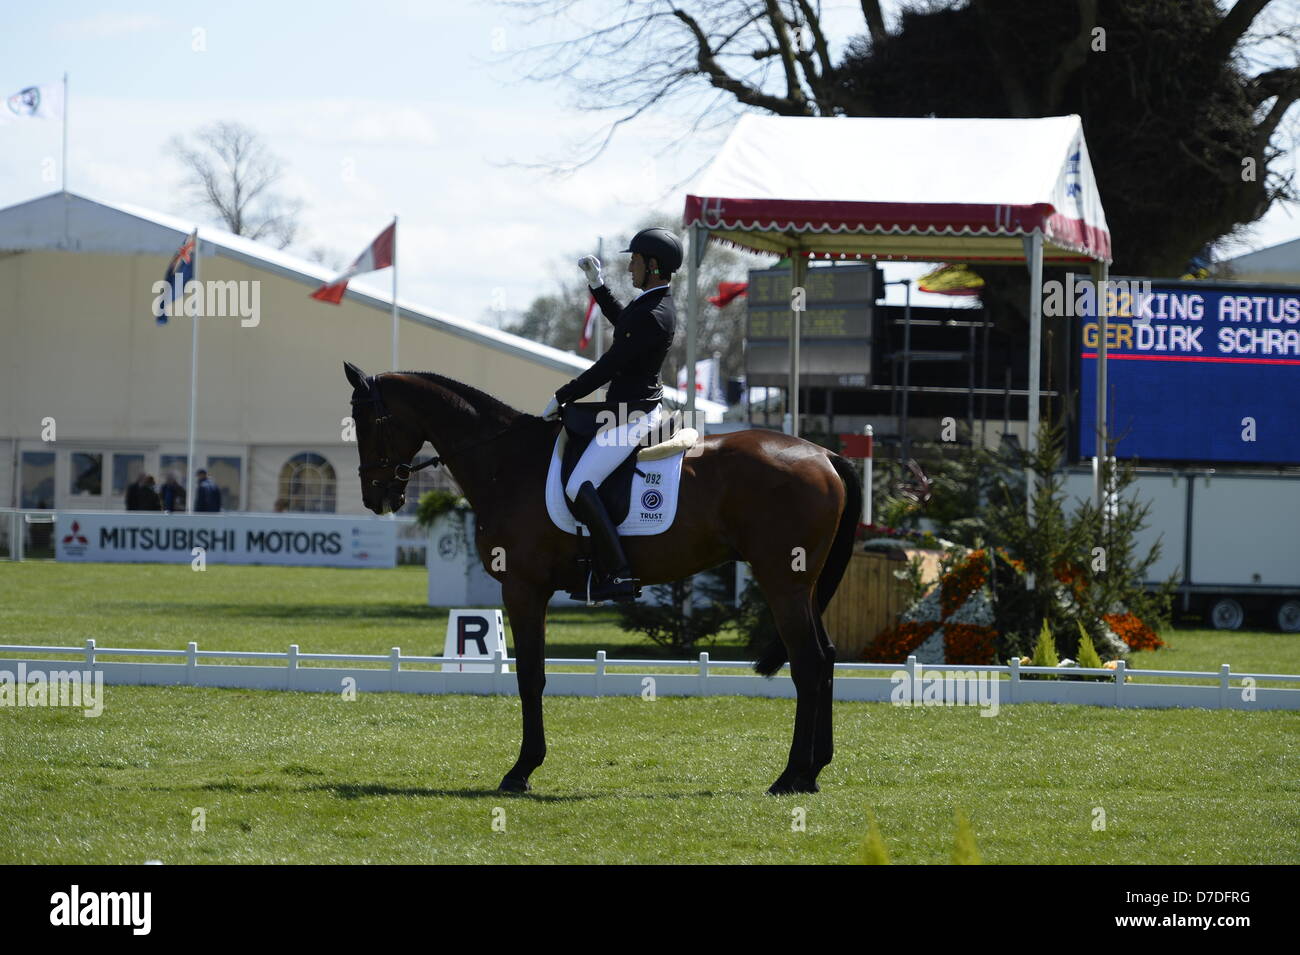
x,y
301,777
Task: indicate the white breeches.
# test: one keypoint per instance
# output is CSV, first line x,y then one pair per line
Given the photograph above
x,y
610,448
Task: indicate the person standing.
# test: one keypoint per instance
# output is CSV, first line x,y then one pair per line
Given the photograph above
x,y
173,495
208,499
142,495
149,499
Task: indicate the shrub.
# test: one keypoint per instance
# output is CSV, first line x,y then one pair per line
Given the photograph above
x,y
1044,652
665,624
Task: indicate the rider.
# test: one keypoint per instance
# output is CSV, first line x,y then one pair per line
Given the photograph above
x,y
643,333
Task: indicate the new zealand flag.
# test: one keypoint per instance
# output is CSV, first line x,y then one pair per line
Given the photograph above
x,y
180,271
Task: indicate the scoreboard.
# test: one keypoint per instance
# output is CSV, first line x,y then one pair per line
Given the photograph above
x,y
835,327
1196,371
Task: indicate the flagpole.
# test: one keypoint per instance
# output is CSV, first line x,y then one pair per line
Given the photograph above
x,y
394,292
65,130
194,383
600,325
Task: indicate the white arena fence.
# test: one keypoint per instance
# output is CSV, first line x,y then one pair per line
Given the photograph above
x,y
605,677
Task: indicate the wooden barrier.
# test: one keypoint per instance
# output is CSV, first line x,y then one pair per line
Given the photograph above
x,y
869,599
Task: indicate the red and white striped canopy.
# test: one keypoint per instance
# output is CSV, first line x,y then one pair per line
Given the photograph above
x,y
921,189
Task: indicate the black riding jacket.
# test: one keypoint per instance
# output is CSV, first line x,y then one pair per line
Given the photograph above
x,y
643,333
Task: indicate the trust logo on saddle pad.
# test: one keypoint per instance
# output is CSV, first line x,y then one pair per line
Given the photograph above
x,y
653,501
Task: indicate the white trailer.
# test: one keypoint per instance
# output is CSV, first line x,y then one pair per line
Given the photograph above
x,y
1232,538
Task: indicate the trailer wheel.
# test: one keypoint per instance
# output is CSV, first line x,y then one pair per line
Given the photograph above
x,y
1227,614
1288,616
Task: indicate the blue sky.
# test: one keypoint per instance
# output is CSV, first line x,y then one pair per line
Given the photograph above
x,y
377,108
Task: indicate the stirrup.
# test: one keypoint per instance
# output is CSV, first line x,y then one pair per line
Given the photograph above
x,y
613,587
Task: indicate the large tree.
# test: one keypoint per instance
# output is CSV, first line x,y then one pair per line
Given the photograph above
x,y
233,174
1175,115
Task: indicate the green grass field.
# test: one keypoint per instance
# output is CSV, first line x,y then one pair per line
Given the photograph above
x,y
297,777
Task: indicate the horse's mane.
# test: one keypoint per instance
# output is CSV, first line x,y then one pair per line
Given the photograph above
x,y
480,401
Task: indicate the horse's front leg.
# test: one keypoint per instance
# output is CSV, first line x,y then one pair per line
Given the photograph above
x,y
526,604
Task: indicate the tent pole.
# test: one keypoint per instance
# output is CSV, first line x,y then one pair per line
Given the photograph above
x,y
798,276
1100,275
1034,255
904,444
695,254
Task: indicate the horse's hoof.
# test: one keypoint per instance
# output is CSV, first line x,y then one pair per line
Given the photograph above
x,y
509,785
786,787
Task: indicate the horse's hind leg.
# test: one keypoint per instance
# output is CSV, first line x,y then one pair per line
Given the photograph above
x,y
823,741
795,620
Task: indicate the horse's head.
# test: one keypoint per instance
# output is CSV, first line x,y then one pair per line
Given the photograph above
x,y
385,447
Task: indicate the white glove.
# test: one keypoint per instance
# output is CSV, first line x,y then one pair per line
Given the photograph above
x,y
552,409
591,266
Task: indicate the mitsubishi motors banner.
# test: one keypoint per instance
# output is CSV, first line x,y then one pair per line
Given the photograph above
x,y
302,540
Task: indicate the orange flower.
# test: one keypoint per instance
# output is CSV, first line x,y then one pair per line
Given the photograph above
x,y
969,644
1133,631
893,644
962,581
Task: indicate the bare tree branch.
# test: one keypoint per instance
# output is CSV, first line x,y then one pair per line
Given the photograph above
x,y
1073,55
1277,82
1232,27
781,27
749,95
232,173
875,18
819,38
1012,86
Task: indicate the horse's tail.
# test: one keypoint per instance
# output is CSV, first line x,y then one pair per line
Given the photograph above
x,y
774,656
842,547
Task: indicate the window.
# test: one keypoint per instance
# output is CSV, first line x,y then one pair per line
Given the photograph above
x,y
224,472
38,479
173,464
307,484
126,468
86,473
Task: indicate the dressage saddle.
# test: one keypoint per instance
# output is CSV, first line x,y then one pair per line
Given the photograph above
x,y
581,421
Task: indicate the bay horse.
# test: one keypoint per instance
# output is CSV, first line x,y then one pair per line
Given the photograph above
x,y
786,506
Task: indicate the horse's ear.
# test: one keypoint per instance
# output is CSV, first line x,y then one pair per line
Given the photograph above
x,y
355,375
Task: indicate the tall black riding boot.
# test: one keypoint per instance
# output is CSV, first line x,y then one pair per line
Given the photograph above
x,y
617,583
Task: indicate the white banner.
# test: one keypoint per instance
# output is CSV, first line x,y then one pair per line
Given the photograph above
x,y
156,538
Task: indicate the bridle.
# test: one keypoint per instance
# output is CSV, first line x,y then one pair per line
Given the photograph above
x,y
401,471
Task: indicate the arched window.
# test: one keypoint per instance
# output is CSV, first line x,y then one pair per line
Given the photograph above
x,y
307,483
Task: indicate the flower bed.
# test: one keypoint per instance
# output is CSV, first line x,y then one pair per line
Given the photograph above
x,y
954,622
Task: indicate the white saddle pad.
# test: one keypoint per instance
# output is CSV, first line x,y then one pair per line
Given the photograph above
x,y
654,496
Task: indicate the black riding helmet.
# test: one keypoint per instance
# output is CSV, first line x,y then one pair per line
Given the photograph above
x,y
659,244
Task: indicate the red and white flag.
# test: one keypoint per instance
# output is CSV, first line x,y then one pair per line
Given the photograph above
x,y
588,324
378,256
